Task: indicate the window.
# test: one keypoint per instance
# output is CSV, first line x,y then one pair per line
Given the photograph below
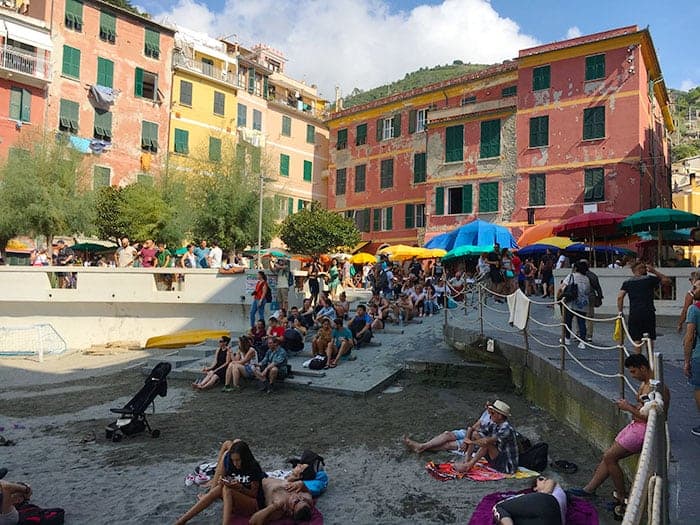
x,y
290,205
108,27
220,103
105,72
361,219
74,15
383,218
537,189
146,84
488,197
208,66
151,46
310,134
71,62
286,126
340,181
468,100
459,199
149,136
257,120
420,215
419,168
20,104
186,93
182,139
102,128
214,149
68,116
284,165
388,128
361,135
301,205
360,176
540,78
386,175
509,91
308,170
595,67
490,139
539,132
101,176
594,185
342,139
242,115
594,123
414,216
454,143
439,201
417,119
145,179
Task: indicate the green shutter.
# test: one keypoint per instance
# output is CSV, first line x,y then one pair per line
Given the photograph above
x,y
454,143
537,189
74,15
340,181
342,141
594,123
539,132
16,103
103,125
69,113
152,43
182,139
286,126
138,82
380,131
149,136
265,87
360,175
540,78
396,126
488,197
26,105
410,219
71,62
386,176
300,205
310,134
490,139
389,219
439,201
509,91
219,103
377,219
361,135
467,198
101,177
419,168
251,80
108,27
290,205
594,181
105,72
242,115
595,67
284,165
412,118
214,149
185,93
308,170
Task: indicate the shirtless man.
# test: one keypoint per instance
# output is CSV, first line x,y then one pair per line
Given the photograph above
x,y
280,502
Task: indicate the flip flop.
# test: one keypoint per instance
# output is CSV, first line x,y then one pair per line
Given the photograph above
x,y
564,466
4,442
333,365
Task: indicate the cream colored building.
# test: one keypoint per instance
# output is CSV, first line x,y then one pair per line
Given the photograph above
x,y
686,194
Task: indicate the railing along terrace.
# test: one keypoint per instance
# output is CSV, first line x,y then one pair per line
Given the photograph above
x,y
22,62
208,70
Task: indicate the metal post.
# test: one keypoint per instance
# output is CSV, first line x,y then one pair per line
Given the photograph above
x,y
622,372
481,312
260,220
564,333
663,450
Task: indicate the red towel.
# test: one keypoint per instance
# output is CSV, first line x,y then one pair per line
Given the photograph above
x,y
479,472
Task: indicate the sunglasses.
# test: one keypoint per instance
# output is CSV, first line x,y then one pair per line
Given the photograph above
x,y
541,478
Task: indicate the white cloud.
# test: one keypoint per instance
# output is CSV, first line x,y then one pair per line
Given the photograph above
x,y
687,85
359,43
573,32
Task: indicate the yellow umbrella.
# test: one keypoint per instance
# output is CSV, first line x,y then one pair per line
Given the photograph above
x,y
363,258
558,242
401,252
433,253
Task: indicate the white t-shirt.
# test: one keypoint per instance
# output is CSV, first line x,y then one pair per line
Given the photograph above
x,y
560,495
562,262
126,256
215,254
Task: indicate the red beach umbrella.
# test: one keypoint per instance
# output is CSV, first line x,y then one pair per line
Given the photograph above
x,y
601,223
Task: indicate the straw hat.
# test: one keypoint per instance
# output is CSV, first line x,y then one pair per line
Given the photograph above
x,y
500,407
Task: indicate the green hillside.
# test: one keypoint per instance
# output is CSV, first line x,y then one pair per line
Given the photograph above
x,y
686,138
422,77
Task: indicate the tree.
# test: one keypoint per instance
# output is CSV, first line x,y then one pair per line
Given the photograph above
x,y
315,230
685,150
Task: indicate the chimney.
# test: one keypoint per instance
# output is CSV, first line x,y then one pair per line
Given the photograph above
x,y
338,100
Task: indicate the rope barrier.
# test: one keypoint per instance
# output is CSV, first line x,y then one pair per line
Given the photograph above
x,y
545,324
596,319
493,309
599,374
627,334
501,329
542,342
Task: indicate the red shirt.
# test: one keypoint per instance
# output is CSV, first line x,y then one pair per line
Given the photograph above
x,y
276,331
517,263
259,292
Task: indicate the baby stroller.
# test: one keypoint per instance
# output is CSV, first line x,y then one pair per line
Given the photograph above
x,y
132,418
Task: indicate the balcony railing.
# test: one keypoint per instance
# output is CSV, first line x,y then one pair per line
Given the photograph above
x,y
197,66
22,62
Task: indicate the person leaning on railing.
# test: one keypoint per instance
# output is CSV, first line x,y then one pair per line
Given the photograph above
x,y
691,348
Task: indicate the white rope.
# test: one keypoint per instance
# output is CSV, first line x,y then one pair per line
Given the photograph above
x,y
600,374
530,334
492,292
549,303
627,333
591,345
493,309
595,319
501,329
548,325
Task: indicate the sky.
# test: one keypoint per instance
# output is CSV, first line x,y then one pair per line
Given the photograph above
x,y
366,43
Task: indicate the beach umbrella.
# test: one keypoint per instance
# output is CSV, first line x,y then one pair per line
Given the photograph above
x,y
660,219
554,243
92,247
444,241
363,258
467,250
434,253
600,223
535,233
535,250
401,252
482,233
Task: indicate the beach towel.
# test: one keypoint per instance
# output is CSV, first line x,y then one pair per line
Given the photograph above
x,y
519,308
578,511
479,472
316,519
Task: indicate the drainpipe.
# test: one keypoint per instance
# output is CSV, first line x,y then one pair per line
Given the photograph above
x,y
46,88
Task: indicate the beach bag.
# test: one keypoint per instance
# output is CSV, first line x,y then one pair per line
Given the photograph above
x,y
535,458
570,292
30,514
318,362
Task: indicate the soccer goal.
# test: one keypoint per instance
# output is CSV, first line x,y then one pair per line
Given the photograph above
x,y
36,339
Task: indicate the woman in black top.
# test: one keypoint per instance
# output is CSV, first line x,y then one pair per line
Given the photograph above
x,y
217,372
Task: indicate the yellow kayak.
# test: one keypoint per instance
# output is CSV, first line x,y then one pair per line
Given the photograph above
x,y
187,337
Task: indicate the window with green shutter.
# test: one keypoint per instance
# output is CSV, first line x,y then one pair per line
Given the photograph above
x,y
144,178
539,132
388,219
595,67
594,123
214,149
68,116
386,174
459,200
149,136
308,170
300,205
419,168
20,104
410,216
101,176
454,143
361,135
342,142
340,181
108,27
71,62
105,72
540,78
103,125
186,93
310,134
219,103
242,115
538,190
257,120
290,205
594,185
182,140
360,176
251,80
488,197
396,125
377,219
490,139
286,126
440,201
509,91
151,46
145,84
284,165
74,15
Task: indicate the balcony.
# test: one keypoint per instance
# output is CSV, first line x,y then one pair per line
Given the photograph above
x,y
182,61
447,114
24,66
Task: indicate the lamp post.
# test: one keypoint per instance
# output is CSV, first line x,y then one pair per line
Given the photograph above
x,y
260,214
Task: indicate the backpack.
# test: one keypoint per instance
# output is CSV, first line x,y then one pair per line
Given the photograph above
x,y
383,283
30,514
292,340
290,278
268,294
318,362
535,458
570,292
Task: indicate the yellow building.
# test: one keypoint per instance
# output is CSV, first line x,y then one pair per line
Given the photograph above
x,y
686,195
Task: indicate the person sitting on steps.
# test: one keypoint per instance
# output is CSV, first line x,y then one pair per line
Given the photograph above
x,y
244,360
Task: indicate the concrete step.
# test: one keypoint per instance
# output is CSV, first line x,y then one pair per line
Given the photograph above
x,y
461,372
198,352
177,361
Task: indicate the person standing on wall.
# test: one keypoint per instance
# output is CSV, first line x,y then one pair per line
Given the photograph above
x,y
260,296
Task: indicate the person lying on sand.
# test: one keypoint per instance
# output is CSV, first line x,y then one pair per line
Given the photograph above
x,y
280,503
546,504
12,494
